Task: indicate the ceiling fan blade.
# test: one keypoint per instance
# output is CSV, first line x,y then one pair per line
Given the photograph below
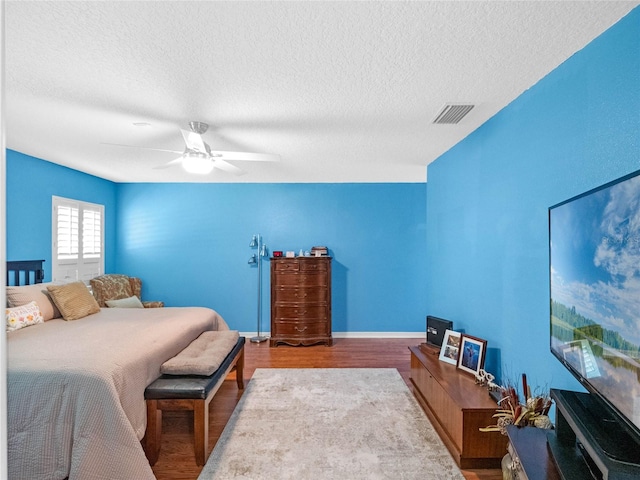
x,y
177,161
251,157
194,141
227,167
144,148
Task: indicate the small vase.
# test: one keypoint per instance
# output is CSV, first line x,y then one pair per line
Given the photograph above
x,y
509,469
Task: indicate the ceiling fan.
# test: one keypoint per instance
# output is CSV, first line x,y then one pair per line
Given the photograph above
x,y
198,158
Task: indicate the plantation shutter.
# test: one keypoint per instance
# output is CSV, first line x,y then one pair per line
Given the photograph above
x,y
67,238
78,238
91,233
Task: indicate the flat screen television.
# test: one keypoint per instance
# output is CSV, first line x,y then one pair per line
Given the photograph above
x,y
594,252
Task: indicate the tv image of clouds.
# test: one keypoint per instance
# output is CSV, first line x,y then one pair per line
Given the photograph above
x,y
596,257
595,290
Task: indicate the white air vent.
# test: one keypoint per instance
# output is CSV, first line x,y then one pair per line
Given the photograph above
x,y
452,113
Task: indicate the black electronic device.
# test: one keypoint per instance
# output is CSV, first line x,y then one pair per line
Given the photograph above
x,y
435,330
589,442
594,255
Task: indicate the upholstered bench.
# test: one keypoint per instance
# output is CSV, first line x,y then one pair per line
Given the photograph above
x,y
188,391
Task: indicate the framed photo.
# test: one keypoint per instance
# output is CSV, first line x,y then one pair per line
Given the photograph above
x,y
472,352
450,347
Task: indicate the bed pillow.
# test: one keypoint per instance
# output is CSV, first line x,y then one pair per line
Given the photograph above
x,y
23,316
17,296
131,302
74,300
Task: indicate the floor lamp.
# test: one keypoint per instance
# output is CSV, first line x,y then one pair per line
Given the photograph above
x,y
256,258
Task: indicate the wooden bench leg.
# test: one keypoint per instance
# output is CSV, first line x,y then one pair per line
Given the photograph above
x,y
153,435
240,370
201,430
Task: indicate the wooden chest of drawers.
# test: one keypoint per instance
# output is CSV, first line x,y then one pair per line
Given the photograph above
x,y
301,301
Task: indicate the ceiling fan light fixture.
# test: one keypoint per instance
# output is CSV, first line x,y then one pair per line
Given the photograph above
x,y
197,163
197,157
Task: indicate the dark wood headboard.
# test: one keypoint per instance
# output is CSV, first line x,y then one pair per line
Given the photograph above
x,y
25,272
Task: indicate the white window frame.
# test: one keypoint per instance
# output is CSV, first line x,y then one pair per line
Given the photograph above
x,y
84,257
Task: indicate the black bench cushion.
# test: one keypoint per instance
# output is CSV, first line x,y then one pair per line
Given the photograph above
x,y
190,386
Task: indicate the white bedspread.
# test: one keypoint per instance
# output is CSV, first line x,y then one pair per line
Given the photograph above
x,y
76,390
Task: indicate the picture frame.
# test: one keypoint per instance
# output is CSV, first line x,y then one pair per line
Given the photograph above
x,y
472,353
450,349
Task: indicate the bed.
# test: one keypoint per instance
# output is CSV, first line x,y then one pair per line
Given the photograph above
x,y
76,405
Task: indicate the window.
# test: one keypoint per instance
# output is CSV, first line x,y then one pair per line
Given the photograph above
x,y
78,240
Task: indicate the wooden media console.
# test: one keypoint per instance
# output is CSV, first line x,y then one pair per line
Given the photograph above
x,y
457,408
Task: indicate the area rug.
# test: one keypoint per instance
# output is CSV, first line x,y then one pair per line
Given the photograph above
x,y
326,424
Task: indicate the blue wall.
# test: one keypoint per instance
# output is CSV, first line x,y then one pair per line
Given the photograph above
x,y
190,242
488,198
30,184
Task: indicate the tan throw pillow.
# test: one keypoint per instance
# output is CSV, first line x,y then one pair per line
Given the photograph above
x,y
23,316
74,300
17,296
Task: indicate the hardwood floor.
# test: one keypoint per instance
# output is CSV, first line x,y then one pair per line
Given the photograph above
x,y
177,459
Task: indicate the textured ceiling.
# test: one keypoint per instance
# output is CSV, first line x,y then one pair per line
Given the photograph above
x,y
342,91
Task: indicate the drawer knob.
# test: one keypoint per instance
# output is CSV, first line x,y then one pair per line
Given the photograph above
x,y
300,329
301,295
301,312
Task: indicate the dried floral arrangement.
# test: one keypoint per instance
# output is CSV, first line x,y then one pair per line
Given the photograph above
x,y
532,412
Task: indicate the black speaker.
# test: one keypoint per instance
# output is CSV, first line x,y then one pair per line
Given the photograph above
x,y
436,328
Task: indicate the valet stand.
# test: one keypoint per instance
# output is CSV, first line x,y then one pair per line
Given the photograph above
x,y
256,258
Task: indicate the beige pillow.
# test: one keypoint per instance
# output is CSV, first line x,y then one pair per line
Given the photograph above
x,y
131,302
17,296
74,300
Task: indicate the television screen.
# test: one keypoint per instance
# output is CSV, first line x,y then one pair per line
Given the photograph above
x,y
594,243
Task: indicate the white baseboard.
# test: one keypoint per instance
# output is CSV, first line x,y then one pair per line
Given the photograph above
x,y
422,335
379,335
